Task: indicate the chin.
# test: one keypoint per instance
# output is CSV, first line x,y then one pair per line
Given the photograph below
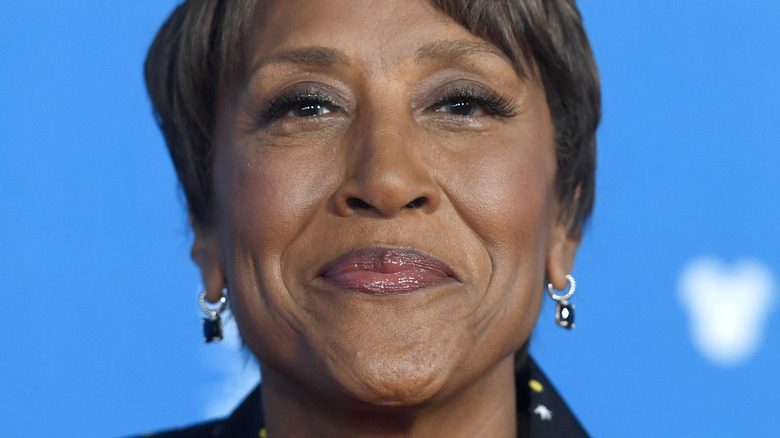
x,y
396,381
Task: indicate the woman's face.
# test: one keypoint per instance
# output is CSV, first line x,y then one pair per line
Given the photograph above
x,y
385,205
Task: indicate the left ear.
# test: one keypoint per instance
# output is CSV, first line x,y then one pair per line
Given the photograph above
x,y
561,249
206,254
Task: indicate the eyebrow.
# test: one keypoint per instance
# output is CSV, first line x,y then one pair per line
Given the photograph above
x,y
438,51
448,51
320,56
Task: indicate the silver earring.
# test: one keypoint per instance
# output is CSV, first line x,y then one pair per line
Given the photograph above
x,y
564,311
212,326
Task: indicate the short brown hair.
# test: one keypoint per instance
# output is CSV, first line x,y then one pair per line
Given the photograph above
x,y
200,49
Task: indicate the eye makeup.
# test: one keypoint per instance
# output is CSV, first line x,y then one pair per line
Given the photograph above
x,y
302,101
468,100
461,101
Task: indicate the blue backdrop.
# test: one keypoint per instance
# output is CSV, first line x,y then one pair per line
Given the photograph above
x,y
677,331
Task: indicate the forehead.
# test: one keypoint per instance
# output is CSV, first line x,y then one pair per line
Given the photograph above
x,y
377,35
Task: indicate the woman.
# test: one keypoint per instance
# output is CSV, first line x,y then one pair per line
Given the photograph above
x,y
385,189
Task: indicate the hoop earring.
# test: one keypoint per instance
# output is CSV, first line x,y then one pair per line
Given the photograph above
x,y
212,326
564,311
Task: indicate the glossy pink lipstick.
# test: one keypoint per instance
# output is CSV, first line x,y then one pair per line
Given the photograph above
x,y
386,271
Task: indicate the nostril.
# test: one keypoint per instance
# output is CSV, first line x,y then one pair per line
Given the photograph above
x,y
416,203
358,204
355,204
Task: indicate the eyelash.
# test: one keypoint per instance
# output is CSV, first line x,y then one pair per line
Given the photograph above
x,y
295,98
490,103
298,98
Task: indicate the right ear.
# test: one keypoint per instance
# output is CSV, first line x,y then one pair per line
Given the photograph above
x,y
206,254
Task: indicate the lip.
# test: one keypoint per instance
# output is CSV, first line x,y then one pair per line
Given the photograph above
x,y
386,271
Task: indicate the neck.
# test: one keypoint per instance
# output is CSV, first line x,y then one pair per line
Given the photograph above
x,y
484,408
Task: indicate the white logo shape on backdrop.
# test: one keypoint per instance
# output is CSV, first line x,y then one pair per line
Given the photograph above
x,y
728,307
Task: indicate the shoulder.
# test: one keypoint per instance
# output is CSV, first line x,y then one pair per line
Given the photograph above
x,y
204,430
245,422
546,413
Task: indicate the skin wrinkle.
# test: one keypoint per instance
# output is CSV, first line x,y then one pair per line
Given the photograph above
x,y
252,264
461,214
486,318
447,349
438,52
312,315
436,362
551,32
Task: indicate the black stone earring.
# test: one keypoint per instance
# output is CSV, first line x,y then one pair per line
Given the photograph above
x,y
564,311
212,325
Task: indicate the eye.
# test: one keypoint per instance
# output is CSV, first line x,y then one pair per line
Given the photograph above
x,y
469,102
460,107
308,109
298,103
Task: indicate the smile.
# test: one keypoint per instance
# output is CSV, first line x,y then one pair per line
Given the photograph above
x,y
386,271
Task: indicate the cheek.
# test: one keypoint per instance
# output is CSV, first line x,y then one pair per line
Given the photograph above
x,y
505,195
265,200
266,197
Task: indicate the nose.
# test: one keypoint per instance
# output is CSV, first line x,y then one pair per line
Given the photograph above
x,y
389,173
